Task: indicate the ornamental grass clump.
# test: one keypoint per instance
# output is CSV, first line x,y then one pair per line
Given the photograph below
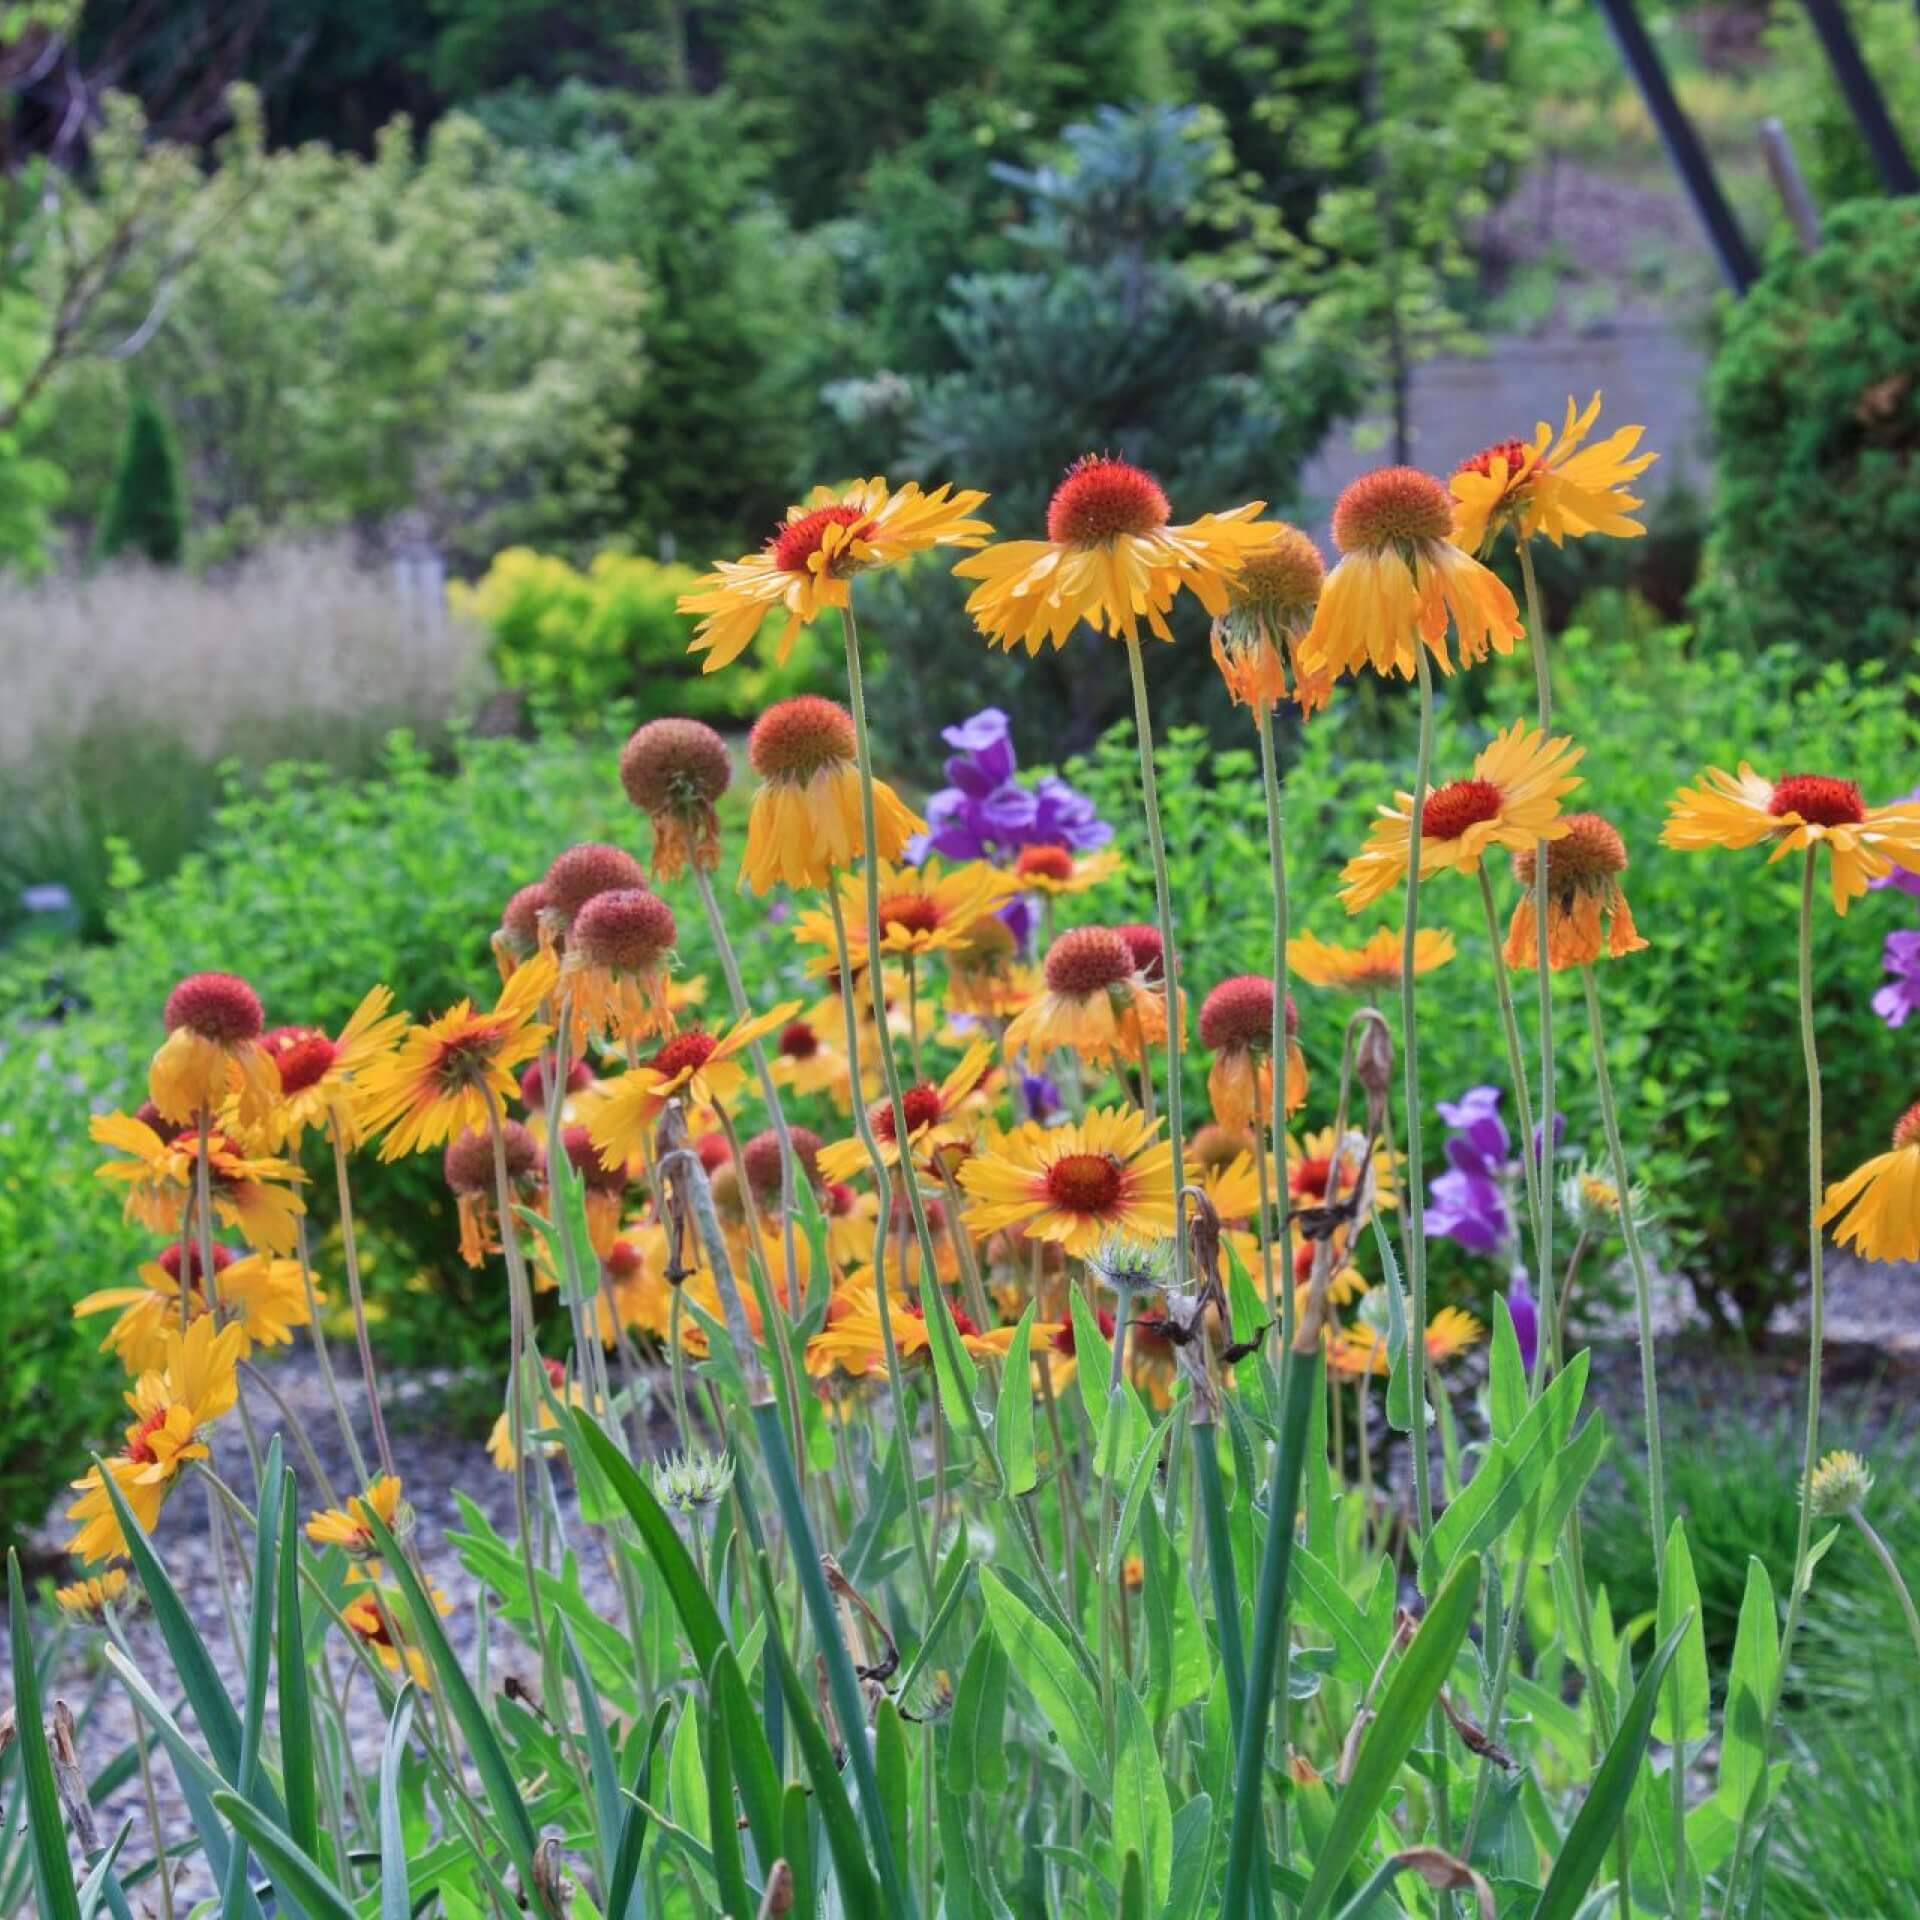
x,y
952,1474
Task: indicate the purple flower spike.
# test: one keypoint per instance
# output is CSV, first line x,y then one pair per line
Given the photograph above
x,y
986,814
1468,1207
1901,995
1526,1319
1476,1117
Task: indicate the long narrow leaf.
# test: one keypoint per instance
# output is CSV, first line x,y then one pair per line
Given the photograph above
x,y
624,1900
396,1896
259,1648
294,1874
1403,1712
296,1699
46,1825
1593,1828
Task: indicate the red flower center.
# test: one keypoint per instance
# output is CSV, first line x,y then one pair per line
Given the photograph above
x,y
463,1058
302,1054
799,1041
1046,862
1238,1013
911,912
1592,851
217,1006
685,1053
1460,804
962,1321
169,1261
922,1107
556,1374
795,738
1513,452
795,543
1309,1180
1143,942
1088,960
1085,1182
140,1445
1102,498
1817,797
840,1199
1906,1130
1391,506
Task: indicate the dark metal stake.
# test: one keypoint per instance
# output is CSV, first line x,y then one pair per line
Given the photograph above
x,y
1869,110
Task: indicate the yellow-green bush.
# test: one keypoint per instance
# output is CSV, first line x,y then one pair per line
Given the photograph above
x,y
573,640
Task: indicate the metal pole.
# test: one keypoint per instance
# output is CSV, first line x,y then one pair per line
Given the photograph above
x,y
1790,183
1683,145
1863,97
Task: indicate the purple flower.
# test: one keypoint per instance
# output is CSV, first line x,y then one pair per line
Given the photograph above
x,y
1022,919
1475,1116
1038,1095
1526,1318
1901,995
986,814
1467,1205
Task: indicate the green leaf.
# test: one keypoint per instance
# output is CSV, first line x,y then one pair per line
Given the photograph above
x,y
757,1778
1399,1405
603,1773
1193,1837
1138,1482
1358,1649
723,1829
259,1647
490,1762
46,1825
1750,1684
954,1372
1591,1834
1686,1688
976,1754
1049,1672
896,1774
294,1874
1142,1813
396,1897
1093,1357
1506,1375
295,1695
1403,1712
623,1884
1133,1889
1013,1416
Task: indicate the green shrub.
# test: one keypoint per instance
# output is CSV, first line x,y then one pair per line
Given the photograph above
x,y
575,642
145,513
1815,397
1705,1046
314,887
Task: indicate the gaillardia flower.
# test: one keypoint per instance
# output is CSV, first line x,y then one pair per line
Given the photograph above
x,y
1587,914
1553,486
807,564
347,1528
252,1194
922,910
1400,579
89,1599
1096,1002
675,770
1371,968
264,1297
1800,810
473,1179
318,1075
614,977
1110,558
1046,867
806,818
1236,1025
1075,1185
1271,602
932,1112
172,1408
1511,800
212,1050
1877,1205
438,1081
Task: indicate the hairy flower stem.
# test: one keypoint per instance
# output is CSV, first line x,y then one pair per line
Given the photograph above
x,y
1543,690
1277,874
903,1426
1169,959
1416,1208
769,1092
350,1258
328,1379
1523,1105
1902,1592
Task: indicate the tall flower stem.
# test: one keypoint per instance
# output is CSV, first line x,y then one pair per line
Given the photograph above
x,y
1543,692
1891,1567
769,1092
1277,874
1416,1210
323,1356
1523,1106
1169,960
350,1258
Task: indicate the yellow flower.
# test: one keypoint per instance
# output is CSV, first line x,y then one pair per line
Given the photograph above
x,y
250,1193
1236,1023
1400,579
1096,1003
807,1061
700,1067
89,1598
1362,1349
1077,1184
265,1298
922,910
807,564
317,1075
372,1615
1553,486
1373,966
172,1407
1110,558
614,977
932,1113
986,978
1512,800
546,1423
806,819
1271,602
1045,868
1801,810
347,1528
1310,1161
1877,1205
436,1084
212,1052
1587,913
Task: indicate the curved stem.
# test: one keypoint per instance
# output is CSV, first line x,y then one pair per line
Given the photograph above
x,y
1543,690
1416,1210
1901,1590
1169,962
350,1257
1277,879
